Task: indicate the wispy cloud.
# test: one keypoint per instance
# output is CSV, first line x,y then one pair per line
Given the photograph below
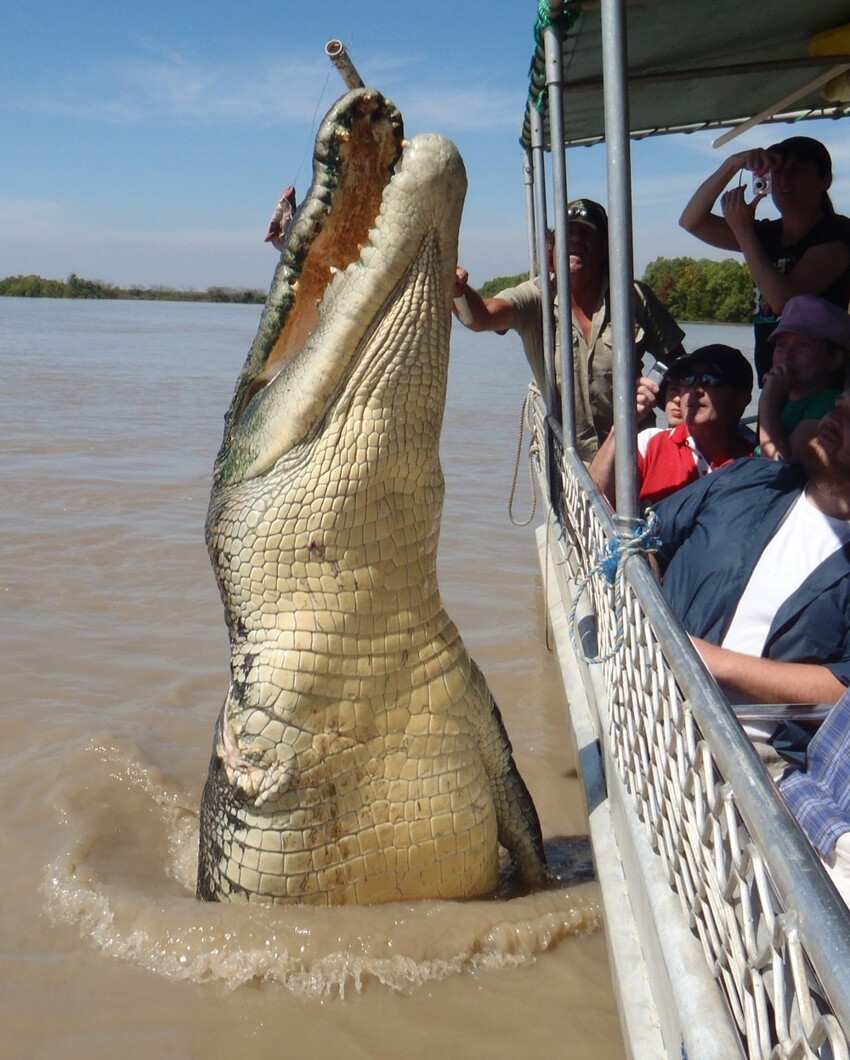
x,y
185,90
174,86
118,253
459,108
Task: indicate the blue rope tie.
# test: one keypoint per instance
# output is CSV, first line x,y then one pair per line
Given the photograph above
x,y
609,563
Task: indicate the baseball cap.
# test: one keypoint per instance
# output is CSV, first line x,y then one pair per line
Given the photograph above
x,y
806,314
588,212
726,361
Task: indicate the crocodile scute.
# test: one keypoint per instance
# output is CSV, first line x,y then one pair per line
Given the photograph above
x,y
359,756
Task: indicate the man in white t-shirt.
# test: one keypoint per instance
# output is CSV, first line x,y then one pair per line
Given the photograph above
x,y
756,563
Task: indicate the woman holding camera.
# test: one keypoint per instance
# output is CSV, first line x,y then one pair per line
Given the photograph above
x,y
805,251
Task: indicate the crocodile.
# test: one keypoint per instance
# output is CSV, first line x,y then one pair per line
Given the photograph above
x,y
359,756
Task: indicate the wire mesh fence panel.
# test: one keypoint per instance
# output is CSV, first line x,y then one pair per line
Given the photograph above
x,y
722,870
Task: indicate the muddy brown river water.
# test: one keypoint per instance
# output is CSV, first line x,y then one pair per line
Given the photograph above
x,y
115,666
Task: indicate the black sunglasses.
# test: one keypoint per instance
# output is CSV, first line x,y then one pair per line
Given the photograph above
x,y
578,211
701,379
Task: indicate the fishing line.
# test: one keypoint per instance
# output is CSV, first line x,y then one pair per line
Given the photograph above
x,y
314,120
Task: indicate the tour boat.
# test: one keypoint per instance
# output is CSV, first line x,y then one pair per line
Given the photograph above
x,y
725,936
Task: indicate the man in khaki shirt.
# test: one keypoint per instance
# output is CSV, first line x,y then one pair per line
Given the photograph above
x,y
521,308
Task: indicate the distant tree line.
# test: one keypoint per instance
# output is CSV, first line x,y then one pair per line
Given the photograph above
x,y
700,289
76,287
691,288
500,283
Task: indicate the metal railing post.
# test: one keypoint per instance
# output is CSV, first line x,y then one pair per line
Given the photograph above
x,y
620,253
531,228
538,160
553,42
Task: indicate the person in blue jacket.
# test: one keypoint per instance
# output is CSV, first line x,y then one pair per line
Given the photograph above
x,y
755,561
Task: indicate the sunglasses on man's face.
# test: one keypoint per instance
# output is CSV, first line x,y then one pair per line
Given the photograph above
x,y
705,379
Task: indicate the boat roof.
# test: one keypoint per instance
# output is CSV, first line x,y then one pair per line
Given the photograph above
x,y
696,64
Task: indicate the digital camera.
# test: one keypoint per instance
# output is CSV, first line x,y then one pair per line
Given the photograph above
x,y
761,185
657,372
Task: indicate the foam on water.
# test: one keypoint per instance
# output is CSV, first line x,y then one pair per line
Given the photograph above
x,y
129,886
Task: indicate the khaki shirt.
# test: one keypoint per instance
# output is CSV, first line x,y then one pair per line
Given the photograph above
x,y
656,333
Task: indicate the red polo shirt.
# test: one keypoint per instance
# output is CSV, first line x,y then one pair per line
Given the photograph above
x,y
668,459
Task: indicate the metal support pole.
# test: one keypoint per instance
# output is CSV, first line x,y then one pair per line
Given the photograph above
x,y
528,187
553,40
620,254
538,162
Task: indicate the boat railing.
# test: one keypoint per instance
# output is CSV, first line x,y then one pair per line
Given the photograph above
x,y
773,930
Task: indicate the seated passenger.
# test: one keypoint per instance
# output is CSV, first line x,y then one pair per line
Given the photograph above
x,y
810,346
521,308
756,564
819,795
670,398
716,386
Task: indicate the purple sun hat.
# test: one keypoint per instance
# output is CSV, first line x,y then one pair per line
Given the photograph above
x,y
806,314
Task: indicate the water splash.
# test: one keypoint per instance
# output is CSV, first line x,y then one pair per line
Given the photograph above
x,y
126,880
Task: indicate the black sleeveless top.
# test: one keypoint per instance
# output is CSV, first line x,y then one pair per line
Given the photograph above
x,y
831,228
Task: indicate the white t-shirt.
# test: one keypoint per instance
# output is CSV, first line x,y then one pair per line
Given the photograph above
x,y
805,539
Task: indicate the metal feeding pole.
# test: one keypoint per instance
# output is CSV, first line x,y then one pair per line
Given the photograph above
x,y
335,51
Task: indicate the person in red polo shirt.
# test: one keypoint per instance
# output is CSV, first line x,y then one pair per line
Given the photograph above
x,y
716,384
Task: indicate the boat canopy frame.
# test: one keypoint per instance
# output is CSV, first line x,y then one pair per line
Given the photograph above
x,y
695,64
787,924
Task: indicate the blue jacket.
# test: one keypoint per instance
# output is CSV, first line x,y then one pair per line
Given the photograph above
x,y
713,533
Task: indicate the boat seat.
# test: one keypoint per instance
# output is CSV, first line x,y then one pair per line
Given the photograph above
x,y
809,713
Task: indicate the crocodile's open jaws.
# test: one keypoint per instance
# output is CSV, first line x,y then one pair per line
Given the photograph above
x,y
359,756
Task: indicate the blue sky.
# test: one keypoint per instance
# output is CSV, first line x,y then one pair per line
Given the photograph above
x,y
147,142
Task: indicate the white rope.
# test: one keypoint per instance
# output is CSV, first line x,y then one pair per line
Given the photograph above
x,y
525,416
